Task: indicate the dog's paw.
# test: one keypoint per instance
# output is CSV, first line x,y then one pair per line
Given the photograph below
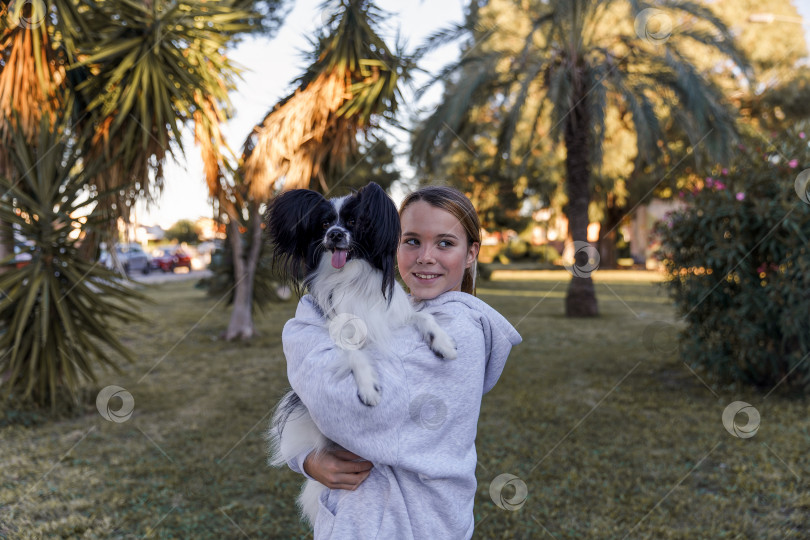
x,y
443,345
370,396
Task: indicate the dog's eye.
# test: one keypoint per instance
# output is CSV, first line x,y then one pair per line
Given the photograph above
x,y
350,223
325,225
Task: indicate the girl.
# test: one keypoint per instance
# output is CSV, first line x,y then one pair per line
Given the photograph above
x,y
418,476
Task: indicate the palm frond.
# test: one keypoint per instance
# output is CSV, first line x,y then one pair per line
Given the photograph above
x,y
478,80
634,95
309,134
441,37
30,80
148,70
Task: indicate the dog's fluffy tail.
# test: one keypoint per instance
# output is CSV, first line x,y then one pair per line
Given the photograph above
x,y
291,431
308,501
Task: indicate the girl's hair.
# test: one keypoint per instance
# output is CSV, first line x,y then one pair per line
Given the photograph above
x,y
455,202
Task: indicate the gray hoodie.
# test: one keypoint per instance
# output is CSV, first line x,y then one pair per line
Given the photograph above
x,y
420,437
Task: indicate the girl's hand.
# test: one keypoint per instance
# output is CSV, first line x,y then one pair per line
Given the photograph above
x,y
337,469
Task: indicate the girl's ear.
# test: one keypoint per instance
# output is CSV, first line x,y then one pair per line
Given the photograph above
x,y
472,254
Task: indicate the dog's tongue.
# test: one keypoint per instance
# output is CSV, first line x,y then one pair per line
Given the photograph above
x,y
339,258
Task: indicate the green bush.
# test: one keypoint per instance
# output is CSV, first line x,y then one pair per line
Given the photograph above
x,y
517,249
544,253
184,231
738,268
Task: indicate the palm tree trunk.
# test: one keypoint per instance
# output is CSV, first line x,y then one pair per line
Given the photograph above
x,y
244,271
580,300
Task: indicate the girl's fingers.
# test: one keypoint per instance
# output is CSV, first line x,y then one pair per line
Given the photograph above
x,y
350,478
360,478
348,481
339,469
347,456
359,466
347,462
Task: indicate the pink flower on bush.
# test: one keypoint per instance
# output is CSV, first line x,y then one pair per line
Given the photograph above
x,y
766,267
793,163
801,135
724,171
709,181
740,196
719,185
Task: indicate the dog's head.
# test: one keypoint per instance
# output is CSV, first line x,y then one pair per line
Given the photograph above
x,y
305,227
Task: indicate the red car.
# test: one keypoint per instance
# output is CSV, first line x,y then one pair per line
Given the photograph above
x,y
170,258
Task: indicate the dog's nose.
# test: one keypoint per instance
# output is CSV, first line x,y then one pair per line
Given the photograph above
x,y
335,235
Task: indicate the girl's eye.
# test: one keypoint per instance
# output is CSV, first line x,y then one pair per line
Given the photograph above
x,y
445,243
410,242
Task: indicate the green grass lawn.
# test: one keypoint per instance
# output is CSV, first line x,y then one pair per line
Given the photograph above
x,y
612,435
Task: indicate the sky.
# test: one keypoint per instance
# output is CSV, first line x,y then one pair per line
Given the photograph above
x,y
270,65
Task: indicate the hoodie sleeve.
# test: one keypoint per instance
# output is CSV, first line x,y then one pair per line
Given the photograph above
x,y
370,432
499,337
296,463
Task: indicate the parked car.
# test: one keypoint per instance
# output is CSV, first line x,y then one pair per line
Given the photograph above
x,y
22,253
167,259
131,256
207,249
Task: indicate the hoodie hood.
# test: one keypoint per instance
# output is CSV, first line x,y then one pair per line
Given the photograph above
x,y
499,335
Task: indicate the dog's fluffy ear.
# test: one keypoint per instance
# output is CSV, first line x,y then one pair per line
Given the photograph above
x,y
378,231
293,222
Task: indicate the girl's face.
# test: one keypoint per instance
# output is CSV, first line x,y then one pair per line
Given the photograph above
x,y
433,251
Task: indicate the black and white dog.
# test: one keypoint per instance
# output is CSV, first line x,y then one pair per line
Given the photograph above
x,y
345,248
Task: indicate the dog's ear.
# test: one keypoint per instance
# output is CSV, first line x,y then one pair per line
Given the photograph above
x,y
293,221
378,231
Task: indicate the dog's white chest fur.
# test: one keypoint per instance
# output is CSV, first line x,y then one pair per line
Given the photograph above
x,y
354,293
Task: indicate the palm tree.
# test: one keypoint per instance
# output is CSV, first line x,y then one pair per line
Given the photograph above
x,y
89,83
573,59
141,71
351,82
307,137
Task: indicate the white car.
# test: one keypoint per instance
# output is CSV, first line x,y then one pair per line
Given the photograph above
x,y
131,257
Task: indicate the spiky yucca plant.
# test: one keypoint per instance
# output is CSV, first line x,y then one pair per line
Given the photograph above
x,y
58,310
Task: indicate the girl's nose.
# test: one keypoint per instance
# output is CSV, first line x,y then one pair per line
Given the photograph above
x,y
425,256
